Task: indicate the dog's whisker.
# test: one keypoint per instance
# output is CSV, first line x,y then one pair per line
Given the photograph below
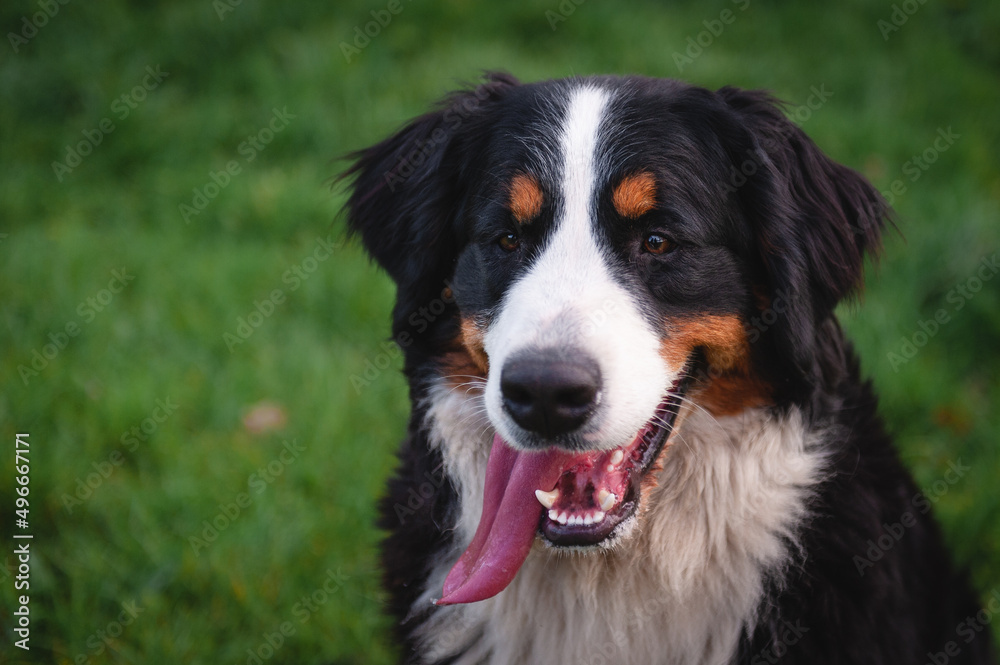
x,y
693,404
465,376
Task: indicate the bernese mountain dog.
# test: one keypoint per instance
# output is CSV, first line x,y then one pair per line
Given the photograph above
x,y
638,432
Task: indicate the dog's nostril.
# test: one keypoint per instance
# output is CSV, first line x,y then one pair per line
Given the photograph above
x,y
576,396
549,394
516,393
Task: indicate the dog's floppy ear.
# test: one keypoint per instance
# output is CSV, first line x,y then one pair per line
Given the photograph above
x,y
814,219
406,190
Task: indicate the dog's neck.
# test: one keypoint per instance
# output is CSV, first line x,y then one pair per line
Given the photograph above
x,y
681,589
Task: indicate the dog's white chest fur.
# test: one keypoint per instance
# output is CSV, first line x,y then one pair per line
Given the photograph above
x,y
680,590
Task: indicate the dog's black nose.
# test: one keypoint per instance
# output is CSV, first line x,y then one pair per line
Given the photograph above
x,y
549,393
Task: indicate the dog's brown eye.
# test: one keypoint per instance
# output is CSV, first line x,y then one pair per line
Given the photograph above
x,y
509,242
656,244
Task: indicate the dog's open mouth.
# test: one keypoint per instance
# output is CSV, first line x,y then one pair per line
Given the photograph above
x,y
601,490
572,499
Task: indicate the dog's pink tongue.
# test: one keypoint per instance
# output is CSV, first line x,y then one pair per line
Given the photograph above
x,y
508,523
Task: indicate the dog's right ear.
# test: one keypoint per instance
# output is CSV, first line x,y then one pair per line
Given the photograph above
x,y
406,190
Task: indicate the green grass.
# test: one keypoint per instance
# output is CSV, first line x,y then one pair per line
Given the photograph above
x,y
162,336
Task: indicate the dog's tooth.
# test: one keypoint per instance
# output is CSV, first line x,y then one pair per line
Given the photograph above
x,y
588,520
547,499
606,499
554,515
563,517
598,516
617,457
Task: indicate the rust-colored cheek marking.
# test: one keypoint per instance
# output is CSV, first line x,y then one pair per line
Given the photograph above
x,y
730,394
472,341
731,385
525,198
635,195
465,357
722,337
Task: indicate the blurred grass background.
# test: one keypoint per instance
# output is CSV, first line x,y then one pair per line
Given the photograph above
x,y
162,336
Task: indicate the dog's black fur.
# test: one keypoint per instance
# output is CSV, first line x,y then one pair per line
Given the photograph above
x,y
802,225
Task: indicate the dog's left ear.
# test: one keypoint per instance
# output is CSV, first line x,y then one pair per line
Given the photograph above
x,y
814,219
407,189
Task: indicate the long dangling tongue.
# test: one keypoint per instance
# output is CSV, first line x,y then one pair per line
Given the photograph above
x,y
508,523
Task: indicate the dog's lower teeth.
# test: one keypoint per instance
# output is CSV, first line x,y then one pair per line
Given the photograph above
x,y
606,500
576,520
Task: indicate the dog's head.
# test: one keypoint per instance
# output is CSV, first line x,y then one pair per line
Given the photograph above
x,y
609,248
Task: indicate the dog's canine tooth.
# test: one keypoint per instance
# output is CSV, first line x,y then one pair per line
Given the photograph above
x,y
617,458
547,499
606,500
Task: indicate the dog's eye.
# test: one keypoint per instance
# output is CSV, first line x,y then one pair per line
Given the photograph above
x,y
509,242
656,244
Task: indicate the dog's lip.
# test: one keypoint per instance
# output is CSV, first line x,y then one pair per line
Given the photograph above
x,y
560,525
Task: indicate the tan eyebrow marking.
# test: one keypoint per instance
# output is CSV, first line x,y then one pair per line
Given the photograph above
x,y
635,195
525,198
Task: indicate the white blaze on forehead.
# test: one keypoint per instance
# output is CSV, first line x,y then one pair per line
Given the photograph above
x,y
579,145
569,300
